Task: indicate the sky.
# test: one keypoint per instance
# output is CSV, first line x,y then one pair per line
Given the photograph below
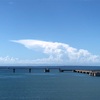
x,y
50,32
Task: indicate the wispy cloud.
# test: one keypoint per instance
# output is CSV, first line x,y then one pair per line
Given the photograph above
x,y
8,60
59,53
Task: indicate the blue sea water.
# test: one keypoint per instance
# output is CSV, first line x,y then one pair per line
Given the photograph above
x,y
38,85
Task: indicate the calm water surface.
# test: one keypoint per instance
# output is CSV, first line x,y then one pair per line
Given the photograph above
x,y
48,86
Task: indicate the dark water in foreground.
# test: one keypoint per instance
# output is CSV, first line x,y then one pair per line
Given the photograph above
x,y
48,86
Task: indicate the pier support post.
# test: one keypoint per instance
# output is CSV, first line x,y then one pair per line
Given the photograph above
x,y
29,70
74,70
13,70
46,70
60,70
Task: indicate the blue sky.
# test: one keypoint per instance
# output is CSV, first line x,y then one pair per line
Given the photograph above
x,y
68,29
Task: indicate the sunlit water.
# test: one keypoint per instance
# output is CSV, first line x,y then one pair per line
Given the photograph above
x,y
48,86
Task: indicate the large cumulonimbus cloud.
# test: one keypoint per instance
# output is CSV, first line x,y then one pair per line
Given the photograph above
x,y
60,53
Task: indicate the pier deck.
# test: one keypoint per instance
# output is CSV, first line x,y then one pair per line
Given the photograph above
x,y
90,72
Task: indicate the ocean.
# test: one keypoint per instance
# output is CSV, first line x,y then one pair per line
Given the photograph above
x,y
54,85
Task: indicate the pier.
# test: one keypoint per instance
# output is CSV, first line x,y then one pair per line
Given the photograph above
x,y
48,69
90,72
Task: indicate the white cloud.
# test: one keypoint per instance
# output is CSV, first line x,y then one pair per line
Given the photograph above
x,y
59,53
8,60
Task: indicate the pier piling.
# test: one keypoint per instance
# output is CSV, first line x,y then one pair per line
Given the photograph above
x,y
29,70
13,70
60,70
46,70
